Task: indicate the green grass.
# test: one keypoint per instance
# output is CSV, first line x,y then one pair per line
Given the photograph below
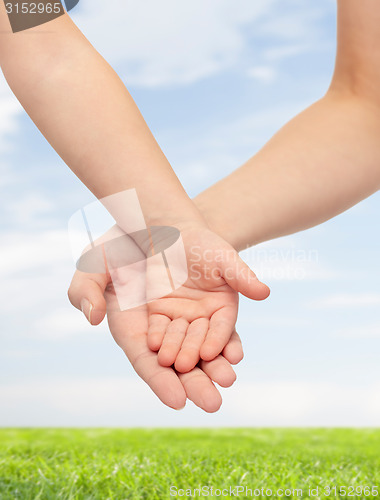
x,y
143,464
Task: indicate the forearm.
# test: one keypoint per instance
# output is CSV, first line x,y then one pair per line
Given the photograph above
x,y
83,109
321,163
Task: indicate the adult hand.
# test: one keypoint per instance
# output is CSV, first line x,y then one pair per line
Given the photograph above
x,y
94,295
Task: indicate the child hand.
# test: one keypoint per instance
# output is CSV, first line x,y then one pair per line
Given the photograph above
x,y
197,320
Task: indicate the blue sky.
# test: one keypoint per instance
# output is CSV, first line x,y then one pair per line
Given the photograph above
x,y
214,80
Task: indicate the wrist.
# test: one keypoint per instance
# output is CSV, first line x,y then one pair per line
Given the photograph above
x,y
213,218
222,221
162,231
180,221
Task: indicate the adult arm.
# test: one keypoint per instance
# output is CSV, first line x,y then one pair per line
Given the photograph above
x,y
323,161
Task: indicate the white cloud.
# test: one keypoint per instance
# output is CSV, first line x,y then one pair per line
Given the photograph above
x,y
126,401
6,174
364,331
21,251
10,108
263,74
18,354
284,51
346,300
273,322
29,208
35,269
287,259
175,43
216,151
299,403
169,42
229,143
79,401
60,324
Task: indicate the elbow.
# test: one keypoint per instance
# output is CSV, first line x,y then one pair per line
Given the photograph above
x,y
357,78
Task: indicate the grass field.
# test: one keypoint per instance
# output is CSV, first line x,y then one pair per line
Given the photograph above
x,y
144,464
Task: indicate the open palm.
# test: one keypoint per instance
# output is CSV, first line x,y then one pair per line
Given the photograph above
x,y
129,329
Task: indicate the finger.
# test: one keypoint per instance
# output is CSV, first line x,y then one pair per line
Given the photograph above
x,y
200,390
175,333
175,308
219,370
86,293
158,324
233,352
222,324
242,279
129,329
163,381
189,354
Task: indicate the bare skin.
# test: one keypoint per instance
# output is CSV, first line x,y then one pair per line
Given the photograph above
x,y
129,329
321,163
101,135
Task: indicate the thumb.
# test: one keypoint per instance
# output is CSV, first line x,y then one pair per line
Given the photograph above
x,y
239,276
86,293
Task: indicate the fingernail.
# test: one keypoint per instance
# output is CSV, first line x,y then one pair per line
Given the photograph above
x,y
87,308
